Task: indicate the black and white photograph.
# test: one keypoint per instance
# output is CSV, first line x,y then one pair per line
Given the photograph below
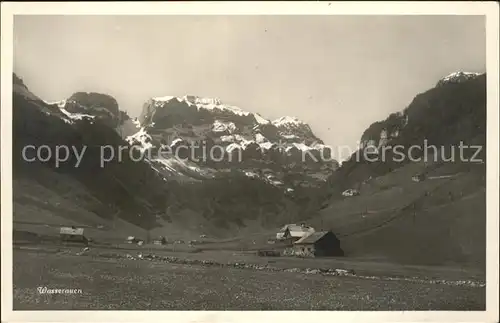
x,y
250,162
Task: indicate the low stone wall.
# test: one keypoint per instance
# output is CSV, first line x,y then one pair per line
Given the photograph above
x,y
236,265
241,265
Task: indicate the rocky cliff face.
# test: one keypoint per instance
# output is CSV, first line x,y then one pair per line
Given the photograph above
x,y
451,112
192,137
93,106
226,137
433,110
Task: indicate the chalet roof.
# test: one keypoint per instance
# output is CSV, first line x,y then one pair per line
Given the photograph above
x,y
71,231
311,238
296,228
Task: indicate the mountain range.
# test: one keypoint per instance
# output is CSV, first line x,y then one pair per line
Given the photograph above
x,y
153,192
285,173
203,137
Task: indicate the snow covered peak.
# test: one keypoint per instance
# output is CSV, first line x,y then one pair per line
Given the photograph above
x,y
163,98
460,74
60,104
203,101
287,121
142,139
190,99
216,104
458,77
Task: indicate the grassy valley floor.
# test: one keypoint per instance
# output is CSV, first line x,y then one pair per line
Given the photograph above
x,y
150,285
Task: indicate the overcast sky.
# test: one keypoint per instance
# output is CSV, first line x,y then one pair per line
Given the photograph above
x,y
337,73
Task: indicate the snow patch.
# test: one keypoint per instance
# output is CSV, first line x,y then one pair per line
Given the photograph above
x,y
266,145
76,116
259,138
457,77
227,138
286,120
201,100
207,104
175,141
136,122
142,138
220,126
237,139
251,174
60,104
260,119
163,98
232,109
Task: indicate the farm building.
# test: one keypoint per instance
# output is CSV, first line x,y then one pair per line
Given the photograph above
x,y
318,244
294,231
350,192
72,234
418,177
160,241
135,240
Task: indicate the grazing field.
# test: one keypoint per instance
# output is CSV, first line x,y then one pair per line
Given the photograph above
x,y
434,222
151,285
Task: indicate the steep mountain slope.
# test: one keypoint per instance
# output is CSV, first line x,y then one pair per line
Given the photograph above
x,y
127,186
126,195
440,219
452,112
